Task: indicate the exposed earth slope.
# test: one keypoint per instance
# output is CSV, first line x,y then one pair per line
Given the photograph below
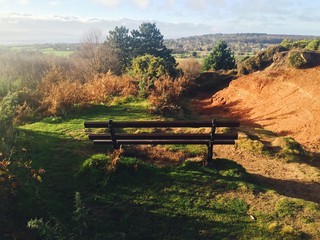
x,y
281,99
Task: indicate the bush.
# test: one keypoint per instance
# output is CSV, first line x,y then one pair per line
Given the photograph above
x,y
296,59
290,44
191,68
59,94
261,60
62,98
105,86
147,67
7,131
28,102
17,177
313,45
166,96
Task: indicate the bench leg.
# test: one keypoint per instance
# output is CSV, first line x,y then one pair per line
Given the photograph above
x,y
210,152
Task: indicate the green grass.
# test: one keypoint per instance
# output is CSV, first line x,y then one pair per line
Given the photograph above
x,y
138,200
35,48
59,53
263,142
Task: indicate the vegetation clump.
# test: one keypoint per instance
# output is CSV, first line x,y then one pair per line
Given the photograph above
x,y
260,61
251,144
303,58
220,58
290,150
299,54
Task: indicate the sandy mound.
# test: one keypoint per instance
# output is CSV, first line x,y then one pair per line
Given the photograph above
x,y
283,100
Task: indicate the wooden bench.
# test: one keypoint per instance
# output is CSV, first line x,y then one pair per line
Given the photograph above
x,y
113,137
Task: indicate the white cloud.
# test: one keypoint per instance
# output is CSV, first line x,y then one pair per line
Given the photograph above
x,y
24,2
143,4
18,17
109,3
54,3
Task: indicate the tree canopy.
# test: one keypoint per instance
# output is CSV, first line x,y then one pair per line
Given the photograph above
x,y
220,58
147,40
120,41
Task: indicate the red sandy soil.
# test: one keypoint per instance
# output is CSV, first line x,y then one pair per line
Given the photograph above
x,y
283,100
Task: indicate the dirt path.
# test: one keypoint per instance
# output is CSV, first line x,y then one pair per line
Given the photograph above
x,y
297,180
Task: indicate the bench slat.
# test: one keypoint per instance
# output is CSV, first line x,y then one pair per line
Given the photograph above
x,y
174,141
155,124
149,136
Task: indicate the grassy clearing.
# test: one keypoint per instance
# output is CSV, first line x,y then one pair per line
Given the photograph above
x,y
58,53
136,200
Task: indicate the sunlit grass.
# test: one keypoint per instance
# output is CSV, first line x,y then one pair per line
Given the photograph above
x,y
136,200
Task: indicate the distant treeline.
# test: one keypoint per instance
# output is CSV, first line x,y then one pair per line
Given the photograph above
x,y
240,43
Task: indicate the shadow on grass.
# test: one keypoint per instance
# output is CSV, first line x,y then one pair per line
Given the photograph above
x,y
132,221
140,201
60,156
308,191
137,200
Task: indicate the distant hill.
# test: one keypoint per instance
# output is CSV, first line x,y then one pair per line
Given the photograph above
x,y
240,43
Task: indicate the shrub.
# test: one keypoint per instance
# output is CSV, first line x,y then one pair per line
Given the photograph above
x,y
261,60
296,59
28,102
16,172
287,43
300,43
165,97
105,86
59,94
62,98
7,131
290,44
147,69
313,45
191,68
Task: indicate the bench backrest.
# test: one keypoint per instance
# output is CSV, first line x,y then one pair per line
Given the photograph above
x,y
158,124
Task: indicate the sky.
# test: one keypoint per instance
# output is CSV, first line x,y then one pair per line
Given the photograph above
x,y
57,21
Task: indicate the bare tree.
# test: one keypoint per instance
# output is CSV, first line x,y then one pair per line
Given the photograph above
x,y
95,56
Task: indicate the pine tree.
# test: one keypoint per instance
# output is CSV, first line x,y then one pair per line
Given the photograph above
x,y
220,58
